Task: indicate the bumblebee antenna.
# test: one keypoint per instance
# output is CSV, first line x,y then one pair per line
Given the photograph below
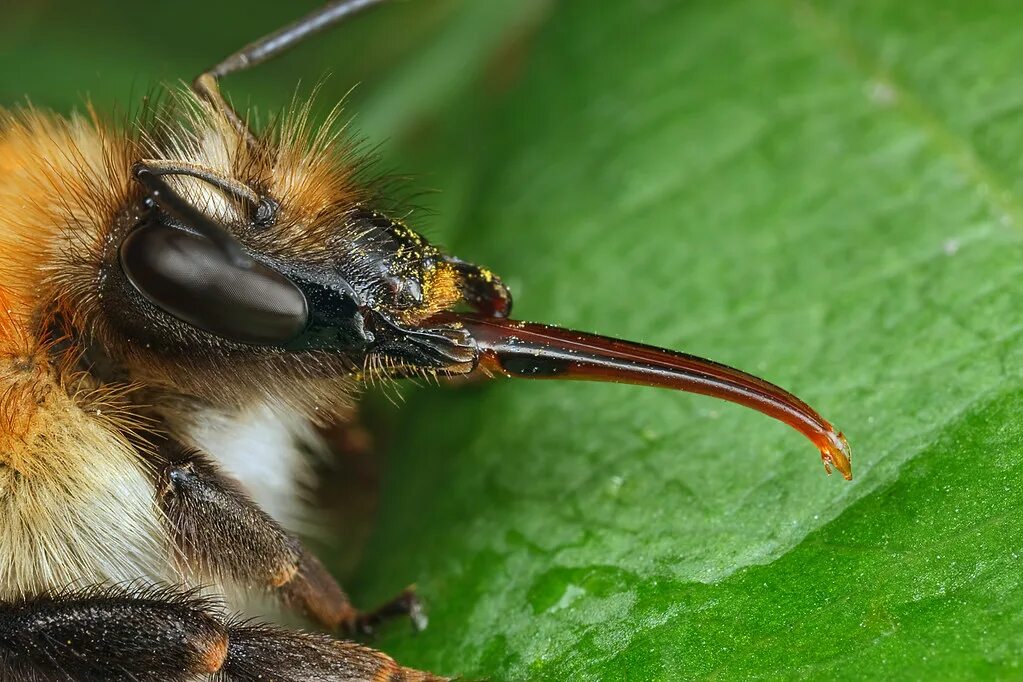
x,y
229,186
266,48
172,203
263,209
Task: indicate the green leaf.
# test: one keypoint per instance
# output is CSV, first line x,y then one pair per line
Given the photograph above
x,y
828,194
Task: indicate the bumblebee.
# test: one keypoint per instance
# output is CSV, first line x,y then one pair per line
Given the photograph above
x,y
181,299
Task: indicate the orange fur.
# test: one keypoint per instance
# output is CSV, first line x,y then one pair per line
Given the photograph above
x,y
64,181
76,502
61,181
69,467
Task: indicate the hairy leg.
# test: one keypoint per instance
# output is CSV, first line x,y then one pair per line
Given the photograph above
x,y
161,635
223,535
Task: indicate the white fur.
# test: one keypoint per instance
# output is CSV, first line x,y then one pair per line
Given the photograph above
x,y
95,520
266,450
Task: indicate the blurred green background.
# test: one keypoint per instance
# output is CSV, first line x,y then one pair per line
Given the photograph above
x,y
829,194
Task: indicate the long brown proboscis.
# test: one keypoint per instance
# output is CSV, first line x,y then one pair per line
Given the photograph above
x,y
537,351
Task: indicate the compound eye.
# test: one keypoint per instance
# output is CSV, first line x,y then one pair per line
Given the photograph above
x,y
189,277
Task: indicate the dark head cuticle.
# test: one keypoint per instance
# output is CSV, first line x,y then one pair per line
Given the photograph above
x,y
265,214
181,475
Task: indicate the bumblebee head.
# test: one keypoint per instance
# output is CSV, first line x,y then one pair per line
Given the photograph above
x,y
292,289
364,293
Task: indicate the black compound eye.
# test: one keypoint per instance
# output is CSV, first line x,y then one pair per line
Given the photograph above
x,y
191,278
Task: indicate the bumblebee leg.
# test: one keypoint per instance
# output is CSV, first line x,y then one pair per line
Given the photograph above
x,y
406,603
225,536
264,653
268,47
159,635
153,635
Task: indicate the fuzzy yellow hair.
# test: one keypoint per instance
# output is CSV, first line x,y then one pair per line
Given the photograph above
x,y
75,496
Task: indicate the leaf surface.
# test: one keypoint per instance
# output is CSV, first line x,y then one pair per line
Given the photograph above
x,y
828,194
